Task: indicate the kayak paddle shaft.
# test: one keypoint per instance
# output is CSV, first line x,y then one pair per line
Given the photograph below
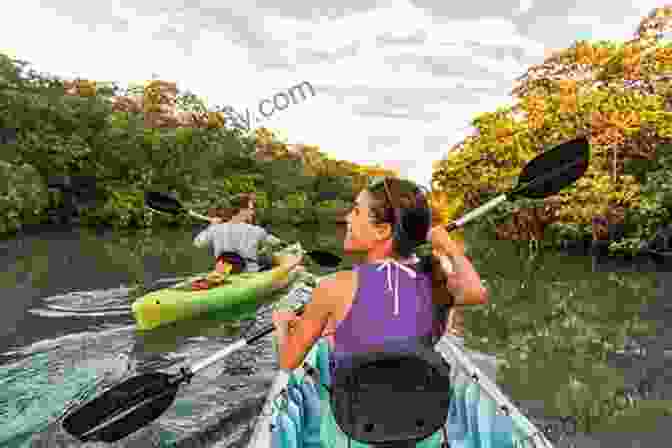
x,y
198,215
237,345
483,209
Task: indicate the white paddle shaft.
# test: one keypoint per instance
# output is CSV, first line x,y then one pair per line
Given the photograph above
x,y
198,215
483,209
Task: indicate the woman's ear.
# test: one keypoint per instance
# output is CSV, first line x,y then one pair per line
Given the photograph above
x,y
383,231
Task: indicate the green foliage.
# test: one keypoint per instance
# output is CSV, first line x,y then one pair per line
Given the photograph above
x,y
23,196
296,200
654,211
333,205
124,208
266,248
561,231
61,134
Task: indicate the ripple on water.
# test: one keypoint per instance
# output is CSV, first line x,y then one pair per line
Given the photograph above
x,y
47,377
39,383
52,376
96,303
36,389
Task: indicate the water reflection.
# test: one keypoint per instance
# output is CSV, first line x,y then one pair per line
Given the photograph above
x,y
561,316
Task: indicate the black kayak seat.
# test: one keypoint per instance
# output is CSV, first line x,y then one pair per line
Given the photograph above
x,y
240,263
392,399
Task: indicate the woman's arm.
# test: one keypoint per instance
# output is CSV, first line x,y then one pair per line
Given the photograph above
x,y
296,335
462,280
206,236
464,283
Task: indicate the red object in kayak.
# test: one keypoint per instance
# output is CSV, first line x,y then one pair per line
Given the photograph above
x,y
224,263
198,285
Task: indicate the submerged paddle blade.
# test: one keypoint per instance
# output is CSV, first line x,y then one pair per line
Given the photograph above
x,y
554,170
323,258
163,203
123,409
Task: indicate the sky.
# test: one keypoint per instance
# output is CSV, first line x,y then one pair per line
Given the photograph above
x,y
396,82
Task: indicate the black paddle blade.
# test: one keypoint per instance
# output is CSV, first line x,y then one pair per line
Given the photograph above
x,y
123,409
323,258
163,203
554,170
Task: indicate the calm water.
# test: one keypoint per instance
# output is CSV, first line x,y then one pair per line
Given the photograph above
x,y
572,334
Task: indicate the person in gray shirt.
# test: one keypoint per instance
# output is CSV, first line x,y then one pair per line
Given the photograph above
x,y
231,231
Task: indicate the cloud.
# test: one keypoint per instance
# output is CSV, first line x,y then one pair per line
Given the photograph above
x,y
524,6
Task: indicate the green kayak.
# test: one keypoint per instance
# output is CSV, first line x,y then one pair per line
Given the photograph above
x,y
298,414
181,302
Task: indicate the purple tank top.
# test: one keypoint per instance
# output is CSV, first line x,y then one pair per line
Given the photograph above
x,y
371,322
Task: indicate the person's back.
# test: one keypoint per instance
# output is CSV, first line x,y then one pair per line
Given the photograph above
x,y
236,235
392,309
240,238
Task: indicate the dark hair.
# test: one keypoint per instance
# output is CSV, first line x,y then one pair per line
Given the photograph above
x,y
236,204
404,205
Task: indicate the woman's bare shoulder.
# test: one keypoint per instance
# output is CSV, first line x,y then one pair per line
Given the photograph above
x,y
338,283
335,292
338,278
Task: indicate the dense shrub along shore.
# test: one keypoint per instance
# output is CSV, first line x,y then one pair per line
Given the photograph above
x,y
82,152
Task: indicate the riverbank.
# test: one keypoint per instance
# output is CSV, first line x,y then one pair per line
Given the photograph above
x,y
58,222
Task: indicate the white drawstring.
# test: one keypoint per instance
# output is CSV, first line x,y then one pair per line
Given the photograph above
x,y
388,263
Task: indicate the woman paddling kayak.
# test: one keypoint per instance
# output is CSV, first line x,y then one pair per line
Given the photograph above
x,y
234,238
391,300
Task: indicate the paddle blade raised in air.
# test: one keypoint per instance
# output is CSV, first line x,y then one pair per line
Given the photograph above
x,y
554,170
163,202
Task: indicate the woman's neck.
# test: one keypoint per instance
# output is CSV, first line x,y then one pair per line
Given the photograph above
x,y
378,255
